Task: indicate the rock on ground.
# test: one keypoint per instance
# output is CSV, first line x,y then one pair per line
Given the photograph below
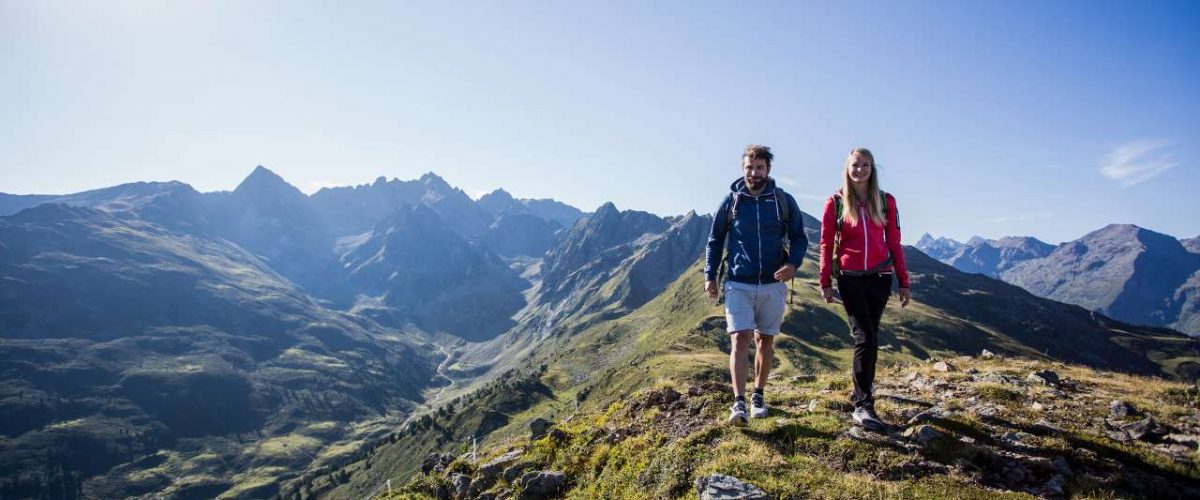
x,y
722,487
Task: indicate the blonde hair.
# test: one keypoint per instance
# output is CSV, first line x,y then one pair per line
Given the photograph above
x,y
850,199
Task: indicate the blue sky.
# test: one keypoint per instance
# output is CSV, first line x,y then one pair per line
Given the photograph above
x,y
991,118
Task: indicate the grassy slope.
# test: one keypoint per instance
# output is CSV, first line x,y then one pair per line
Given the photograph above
x,y
666,342
640,447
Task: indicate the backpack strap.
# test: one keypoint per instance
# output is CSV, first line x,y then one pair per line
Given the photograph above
x,y
784,211
730,213
783,208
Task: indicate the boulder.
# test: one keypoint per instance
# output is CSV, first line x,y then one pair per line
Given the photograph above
x,y
461,484
1121,409
538,428
540,484
1044,377
923,434
1045,427
722,487
515,472
489,471
1146,429
436,462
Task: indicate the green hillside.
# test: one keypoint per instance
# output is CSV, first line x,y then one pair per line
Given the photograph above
x,y
677,341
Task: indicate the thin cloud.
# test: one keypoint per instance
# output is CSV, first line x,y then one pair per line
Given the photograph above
x,y
788,181
1137,162
785,180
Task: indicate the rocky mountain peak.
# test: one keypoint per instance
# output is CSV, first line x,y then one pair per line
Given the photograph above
x,y
498,195
1192,244
499,201
262,182
434,182
607,208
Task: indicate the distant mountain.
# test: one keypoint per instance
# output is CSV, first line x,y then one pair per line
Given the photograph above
x,y
431,276
1127,272
608,263
499,201
992,257
120,337
354,210
939,248
172,204
276,221
13,203
520,234
979,255
166,323
1192,244
1124,271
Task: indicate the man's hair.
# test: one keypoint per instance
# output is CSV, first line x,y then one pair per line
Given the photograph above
x,y
757,151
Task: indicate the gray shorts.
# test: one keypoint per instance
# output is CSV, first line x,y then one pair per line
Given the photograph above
x,y
754,307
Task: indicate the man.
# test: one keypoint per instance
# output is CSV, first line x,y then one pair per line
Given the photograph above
x,y
759,219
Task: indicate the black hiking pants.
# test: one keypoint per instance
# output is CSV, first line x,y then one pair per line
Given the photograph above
x,y
864,298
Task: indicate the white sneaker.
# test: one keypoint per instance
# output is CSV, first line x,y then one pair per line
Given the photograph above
x,y
737,414
866,417
758,408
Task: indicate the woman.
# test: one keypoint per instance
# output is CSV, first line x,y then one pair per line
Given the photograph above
x,y
860,243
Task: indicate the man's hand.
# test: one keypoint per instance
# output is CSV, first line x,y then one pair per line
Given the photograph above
x,y
904,297
827,295
710,287
785,272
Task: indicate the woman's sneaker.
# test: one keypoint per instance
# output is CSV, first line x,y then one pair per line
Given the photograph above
x,y
866,417
758,408
737,413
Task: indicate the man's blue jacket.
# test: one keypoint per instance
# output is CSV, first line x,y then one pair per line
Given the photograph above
x,y
757,235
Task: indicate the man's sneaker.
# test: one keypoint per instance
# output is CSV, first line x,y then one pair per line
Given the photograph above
x,y
758,409
737,414
866,417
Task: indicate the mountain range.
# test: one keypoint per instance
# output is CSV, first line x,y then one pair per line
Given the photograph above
x,y
160,341
149,323
1129,273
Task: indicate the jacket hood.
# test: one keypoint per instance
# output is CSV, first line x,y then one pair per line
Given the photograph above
x,y
739,186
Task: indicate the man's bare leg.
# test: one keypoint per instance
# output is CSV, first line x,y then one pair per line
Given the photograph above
x,y
763,355
739,360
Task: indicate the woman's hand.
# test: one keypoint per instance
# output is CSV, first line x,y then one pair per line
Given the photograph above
x,y
905,296
827,295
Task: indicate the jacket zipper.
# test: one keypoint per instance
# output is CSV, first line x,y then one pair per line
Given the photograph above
x,y
758,217
862,219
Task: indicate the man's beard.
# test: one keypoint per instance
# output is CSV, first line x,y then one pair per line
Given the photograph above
x,y
756,182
